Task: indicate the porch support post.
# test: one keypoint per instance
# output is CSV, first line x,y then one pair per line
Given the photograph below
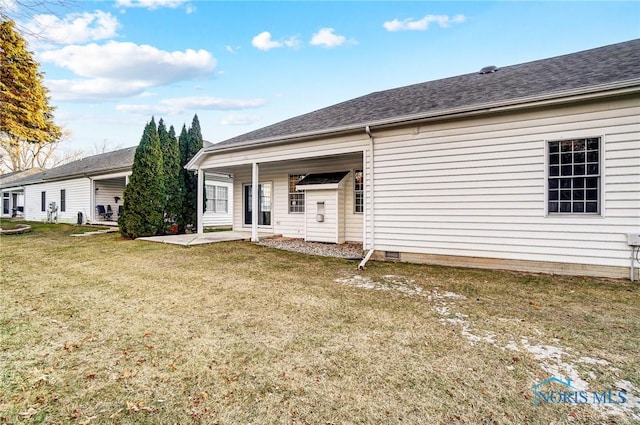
x,y
255,201
200,203
92,201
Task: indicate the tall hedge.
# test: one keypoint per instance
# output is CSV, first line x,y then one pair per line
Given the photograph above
x,y
190,142
171,170
145,196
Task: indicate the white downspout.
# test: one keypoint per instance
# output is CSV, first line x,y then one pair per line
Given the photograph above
x,y
370,211
92,201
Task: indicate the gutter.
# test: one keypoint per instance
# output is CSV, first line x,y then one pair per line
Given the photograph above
x,y
75,176
593,92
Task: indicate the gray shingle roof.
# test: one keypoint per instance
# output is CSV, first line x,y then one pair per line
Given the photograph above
x,y
121,159
577,71
8,178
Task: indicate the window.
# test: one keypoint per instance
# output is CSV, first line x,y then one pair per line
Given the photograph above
x,y
63,200
217,199
296,197
358,191
222,201
5,203
574,176
43,201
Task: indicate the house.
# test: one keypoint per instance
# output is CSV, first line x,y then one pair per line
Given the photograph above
x,y
90,190
13,200
532,167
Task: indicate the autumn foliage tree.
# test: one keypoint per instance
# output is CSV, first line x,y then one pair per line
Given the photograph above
x,y
145,195
26,118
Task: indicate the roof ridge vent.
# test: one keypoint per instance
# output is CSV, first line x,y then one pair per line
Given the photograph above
x,y
488,69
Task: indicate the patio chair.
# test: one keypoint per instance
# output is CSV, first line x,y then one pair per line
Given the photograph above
x,y
109,212
102,213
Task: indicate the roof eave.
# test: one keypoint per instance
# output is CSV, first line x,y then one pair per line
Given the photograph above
x,y
592,92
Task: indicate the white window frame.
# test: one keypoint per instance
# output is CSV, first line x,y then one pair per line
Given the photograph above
x,y
295,196
217,199
600,176
357,192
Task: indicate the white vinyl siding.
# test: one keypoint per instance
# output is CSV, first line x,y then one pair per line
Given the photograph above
x,y
477,188
331,229
77,193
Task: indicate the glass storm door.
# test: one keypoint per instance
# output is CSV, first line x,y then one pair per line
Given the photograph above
x,y
264,204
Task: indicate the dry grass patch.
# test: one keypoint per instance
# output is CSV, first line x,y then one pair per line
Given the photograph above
x,y
105,330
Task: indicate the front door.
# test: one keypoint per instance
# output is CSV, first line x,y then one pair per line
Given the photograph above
x,y
264,204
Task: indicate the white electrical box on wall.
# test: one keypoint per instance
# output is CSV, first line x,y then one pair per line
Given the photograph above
x,y
633,239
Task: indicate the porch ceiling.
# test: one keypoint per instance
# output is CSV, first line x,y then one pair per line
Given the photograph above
x,y
299,162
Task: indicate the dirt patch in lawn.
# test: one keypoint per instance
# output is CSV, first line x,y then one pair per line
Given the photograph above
x,y
102,330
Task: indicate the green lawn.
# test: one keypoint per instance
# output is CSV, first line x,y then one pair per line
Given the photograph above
x,y
105,330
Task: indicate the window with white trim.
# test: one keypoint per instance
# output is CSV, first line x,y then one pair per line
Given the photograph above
x,y
358,191
574,176
217,199
296,197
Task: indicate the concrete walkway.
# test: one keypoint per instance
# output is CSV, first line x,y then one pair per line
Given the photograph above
x,y
212,237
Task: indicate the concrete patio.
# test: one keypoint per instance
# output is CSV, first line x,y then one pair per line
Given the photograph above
x,y
212,237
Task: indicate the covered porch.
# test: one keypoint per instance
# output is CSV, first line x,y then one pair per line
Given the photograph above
x,y
107,198
12,202
267,198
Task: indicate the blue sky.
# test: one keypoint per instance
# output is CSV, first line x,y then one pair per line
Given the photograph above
x,y
111,65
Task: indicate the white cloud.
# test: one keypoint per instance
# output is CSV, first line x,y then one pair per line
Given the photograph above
x,y
409,24
94,89
189,9
116,69
292,42
129,61
73,28
239,119
327,38
177,105
151,4
264,42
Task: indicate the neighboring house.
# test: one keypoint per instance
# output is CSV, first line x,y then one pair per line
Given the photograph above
x,y
13,200
532,167
91,190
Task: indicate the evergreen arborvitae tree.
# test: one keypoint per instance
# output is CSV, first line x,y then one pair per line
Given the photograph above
x,y
144,196
183,142
171,171
190,143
